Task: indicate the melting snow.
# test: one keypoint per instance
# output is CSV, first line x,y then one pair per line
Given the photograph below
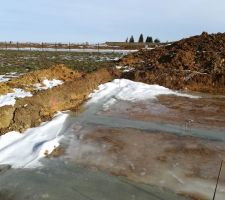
x,y
125,68
126,90
24,150
10,98
3,79
8,76
48,84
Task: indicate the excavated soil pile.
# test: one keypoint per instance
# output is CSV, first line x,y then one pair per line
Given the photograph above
x,y
28,81
4,89
196,63
31,111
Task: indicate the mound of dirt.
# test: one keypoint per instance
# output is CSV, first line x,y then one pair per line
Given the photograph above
x,y
31,111
59,72
4,89
196,63
27,81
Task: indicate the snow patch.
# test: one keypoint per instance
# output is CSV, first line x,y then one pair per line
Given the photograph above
x,y
10,98
8,76
24,150
3,79
126,90
48,84
125,68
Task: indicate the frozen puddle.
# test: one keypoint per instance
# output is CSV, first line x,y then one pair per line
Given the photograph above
x,y
24,150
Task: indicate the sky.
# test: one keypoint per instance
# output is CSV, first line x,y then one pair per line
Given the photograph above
x,y
108,20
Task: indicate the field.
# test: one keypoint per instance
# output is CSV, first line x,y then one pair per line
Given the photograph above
x,y
26,61
106,45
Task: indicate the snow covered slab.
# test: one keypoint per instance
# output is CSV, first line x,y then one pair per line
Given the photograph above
x,y
10,98
126,90
24,150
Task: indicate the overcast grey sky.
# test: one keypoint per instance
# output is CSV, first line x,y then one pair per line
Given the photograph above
x,y
105,20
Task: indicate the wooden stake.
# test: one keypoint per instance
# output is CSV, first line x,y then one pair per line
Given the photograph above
x,y
218,178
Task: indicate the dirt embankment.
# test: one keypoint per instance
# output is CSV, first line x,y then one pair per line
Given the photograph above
x,y
28,81
196,63
31,111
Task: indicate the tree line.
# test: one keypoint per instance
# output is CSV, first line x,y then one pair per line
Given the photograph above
x,y
148,39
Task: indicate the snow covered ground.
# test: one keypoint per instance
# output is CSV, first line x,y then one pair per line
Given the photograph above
x,y
126,90
48,84
24,150
3,79
10,98
8,76
125,68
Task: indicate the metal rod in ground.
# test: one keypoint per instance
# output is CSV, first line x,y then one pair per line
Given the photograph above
x,y
217,181
17,45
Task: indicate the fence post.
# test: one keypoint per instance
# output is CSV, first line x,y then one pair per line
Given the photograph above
x,y
217,181
55,46
17,45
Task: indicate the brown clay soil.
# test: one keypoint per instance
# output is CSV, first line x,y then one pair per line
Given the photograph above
x,y
31,111
196,63
4,89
